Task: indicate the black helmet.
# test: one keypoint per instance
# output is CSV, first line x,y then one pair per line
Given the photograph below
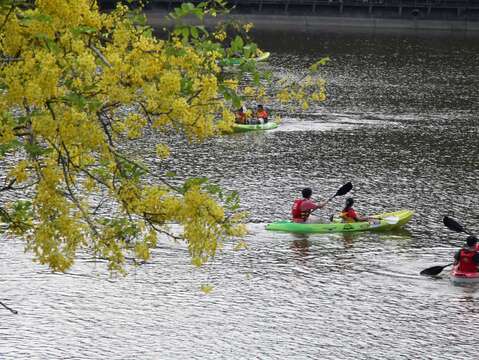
x,y
471,241
307,192
349,202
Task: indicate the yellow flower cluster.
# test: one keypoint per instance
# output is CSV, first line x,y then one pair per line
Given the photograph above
x,y
220,35
85,82
77,87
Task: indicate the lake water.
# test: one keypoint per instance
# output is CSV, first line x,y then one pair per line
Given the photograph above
x,y
401,123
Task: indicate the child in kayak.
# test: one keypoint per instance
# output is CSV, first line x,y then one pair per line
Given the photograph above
x,y
350,215
261,114
467,258
241,117
302,208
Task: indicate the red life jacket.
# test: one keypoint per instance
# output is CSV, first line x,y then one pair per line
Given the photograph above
x,y
466,263
348,215
262,114
241,118
296,210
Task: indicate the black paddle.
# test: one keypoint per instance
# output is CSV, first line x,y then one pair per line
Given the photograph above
x,y
435,270
343,190
454,225
9,308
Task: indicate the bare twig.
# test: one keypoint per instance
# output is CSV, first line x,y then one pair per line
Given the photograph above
x,y
12,7
8,186
100,55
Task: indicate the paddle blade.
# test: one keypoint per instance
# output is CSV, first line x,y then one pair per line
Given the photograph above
x,y
435,270
453,224
343,190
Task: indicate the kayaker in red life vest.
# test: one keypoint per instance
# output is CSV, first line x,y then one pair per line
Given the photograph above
x,y
468,256
261,114
241,116
302,208
350,215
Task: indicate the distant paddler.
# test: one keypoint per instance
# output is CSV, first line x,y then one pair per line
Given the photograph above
x,y
261,114
240,116
466,260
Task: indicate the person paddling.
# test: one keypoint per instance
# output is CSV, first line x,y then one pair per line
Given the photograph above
x,y
350,215
467,258
302,208
241,117
261,114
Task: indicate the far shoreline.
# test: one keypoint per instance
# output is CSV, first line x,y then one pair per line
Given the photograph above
x,y
307,23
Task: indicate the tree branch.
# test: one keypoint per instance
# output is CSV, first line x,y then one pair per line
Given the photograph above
x,y
100,55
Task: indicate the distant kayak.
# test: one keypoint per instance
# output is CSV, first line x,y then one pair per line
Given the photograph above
x,y
236,61
386,221
463,277
238,128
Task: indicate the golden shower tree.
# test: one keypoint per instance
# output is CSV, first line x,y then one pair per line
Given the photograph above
x,y
77,87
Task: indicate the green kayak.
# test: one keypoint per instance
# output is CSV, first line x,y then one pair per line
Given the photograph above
x,y
386,221
238,128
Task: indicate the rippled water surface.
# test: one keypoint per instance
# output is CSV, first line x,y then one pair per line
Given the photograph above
x,y
401,123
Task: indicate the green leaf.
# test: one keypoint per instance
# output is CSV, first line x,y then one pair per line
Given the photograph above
x,y
193,182
4,148
35,149
186,86
76,99
203,30
138,19
94,105
42,36
27,19
187,7
237,43
322,61
83,29
236,100
256,78
194,32
213,189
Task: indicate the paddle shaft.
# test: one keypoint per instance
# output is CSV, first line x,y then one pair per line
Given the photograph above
x,y
8,308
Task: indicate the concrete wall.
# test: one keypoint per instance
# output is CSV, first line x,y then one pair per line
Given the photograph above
x,y
304,15
338,23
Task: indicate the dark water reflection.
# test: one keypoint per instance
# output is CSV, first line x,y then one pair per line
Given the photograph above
x,y
401,124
